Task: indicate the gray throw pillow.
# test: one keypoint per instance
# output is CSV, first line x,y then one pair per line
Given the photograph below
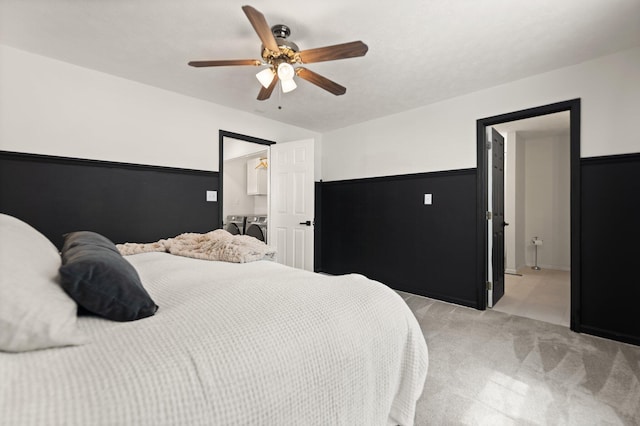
x,y
100,280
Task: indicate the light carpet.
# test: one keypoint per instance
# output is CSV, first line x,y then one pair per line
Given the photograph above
x,y
493,368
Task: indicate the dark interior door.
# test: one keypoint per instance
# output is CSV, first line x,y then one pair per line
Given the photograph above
x,y
497,209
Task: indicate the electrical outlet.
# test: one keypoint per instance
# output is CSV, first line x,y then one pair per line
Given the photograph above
x,y
428,199
212,196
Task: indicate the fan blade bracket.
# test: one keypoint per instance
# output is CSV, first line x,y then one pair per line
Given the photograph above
x,y
284,54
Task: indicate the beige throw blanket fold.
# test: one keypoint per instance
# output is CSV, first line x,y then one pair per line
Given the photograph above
x,y
214,245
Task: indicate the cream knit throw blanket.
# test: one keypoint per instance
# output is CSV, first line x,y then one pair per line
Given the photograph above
x,y
214,245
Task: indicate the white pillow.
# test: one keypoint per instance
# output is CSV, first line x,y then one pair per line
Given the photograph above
x,y
35,312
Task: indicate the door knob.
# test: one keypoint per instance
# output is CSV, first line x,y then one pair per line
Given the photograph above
x,y
308,223
504,224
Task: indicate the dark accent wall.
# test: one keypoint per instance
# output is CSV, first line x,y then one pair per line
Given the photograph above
x,y
377,226
610,247
381,228
317,228
125,202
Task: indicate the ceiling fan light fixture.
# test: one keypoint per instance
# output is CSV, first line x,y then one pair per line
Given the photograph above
x,y
280,55
265,77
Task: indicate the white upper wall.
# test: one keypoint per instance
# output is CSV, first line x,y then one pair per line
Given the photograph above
x,y
56,108
442,136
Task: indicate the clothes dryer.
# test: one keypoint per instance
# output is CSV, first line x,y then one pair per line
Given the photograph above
x,y
257,227
236,224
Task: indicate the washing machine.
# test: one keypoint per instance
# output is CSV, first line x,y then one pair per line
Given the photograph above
x,y
236,224
257,227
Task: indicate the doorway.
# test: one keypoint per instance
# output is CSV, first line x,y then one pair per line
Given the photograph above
x,y
243,196
486,260
536,248
289,204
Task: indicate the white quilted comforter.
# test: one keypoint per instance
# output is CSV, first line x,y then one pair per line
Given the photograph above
x,y
232,344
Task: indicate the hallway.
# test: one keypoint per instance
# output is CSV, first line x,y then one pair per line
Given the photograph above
x,y
544,295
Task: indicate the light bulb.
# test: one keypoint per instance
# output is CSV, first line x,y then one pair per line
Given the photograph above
x,y
265,77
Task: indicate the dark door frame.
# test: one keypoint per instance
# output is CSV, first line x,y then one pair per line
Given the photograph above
x,y
573,106
221,135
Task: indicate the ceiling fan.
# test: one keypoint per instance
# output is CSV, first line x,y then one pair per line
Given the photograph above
x,y
280,55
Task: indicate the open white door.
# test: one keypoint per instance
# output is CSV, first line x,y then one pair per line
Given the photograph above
x,y
292,203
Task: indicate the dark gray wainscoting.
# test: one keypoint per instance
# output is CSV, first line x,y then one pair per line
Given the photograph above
x,y
610,247
381,228
124,202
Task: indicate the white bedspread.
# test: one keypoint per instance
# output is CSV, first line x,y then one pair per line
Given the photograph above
x,y
242,344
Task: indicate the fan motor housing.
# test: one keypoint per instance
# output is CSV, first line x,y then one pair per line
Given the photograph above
x,y
280,31
287,50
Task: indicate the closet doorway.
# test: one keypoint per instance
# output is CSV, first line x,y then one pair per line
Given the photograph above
x,y
552,154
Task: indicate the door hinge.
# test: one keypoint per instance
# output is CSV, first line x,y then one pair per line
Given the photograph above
x,y
489,285
489,215
488,145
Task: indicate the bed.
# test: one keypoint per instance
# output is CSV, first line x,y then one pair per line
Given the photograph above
x,y
231,343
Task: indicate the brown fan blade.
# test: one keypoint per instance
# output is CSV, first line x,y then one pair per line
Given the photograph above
x,y
320,81
265,93
330,53
259,24
225,63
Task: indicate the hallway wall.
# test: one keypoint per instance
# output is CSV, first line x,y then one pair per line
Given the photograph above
x,y
546,201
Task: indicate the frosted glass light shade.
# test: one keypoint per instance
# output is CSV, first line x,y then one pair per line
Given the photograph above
x,y
285,71
288,85
265,77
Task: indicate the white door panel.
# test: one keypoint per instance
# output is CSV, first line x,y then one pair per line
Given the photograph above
x,y
292,202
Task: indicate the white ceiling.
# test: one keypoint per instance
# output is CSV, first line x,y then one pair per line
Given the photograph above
x,y
420,51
